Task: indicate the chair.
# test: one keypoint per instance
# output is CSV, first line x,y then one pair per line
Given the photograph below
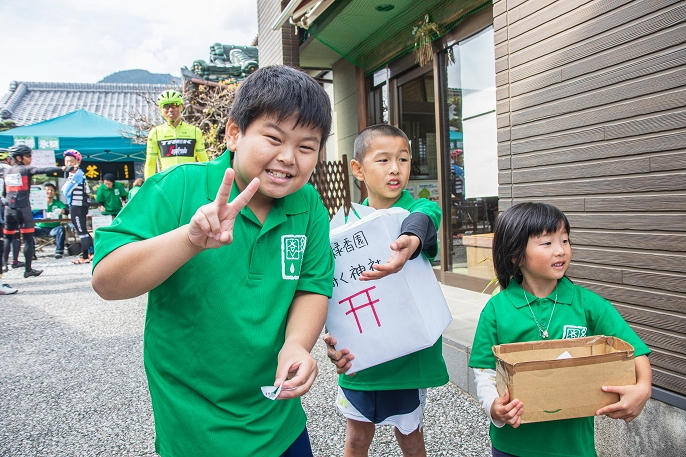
x,y
465,217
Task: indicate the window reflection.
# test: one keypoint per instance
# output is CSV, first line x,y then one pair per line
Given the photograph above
x,y
469,136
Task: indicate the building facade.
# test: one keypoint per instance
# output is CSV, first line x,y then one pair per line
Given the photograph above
x,y
577,103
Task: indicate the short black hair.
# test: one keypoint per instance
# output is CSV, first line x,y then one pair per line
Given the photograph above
x,y
512,231
283,92
49,184
365,137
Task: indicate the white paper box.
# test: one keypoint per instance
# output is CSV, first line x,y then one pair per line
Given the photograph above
x,y
383,319
101,221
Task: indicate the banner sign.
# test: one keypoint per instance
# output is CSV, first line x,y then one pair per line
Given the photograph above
x,y
48,142
94,171
27,140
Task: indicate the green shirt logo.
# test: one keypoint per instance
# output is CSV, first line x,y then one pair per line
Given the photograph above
x,y
292,249
574,331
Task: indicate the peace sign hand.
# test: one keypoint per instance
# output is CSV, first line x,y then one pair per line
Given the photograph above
x,y
212,224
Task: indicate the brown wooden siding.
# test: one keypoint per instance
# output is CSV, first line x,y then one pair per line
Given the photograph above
x,y
591,111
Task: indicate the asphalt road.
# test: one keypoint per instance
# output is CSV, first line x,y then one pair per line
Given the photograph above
x,y
72,380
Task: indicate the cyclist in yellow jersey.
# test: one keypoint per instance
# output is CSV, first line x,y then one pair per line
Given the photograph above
x,y
175,141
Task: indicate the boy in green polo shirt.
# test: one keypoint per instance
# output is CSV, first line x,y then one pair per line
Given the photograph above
x,y
53,229
531,253
235,256
392,393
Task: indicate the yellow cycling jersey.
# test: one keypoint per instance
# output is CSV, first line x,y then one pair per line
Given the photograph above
x,y
172,146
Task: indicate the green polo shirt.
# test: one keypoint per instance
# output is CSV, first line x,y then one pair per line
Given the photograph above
x,y
111,198
421,369
52,207
214,329
578,313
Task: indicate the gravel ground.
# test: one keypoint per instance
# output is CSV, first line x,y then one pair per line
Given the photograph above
x,y
72,380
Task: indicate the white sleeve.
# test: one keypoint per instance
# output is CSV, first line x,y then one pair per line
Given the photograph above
x,y
486,391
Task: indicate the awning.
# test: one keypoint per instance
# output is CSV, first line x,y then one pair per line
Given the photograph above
x,y
302,13
371,33
95,137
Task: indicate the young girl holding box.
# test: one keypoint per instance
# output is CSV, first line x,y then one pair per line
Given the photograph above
x,y
531,253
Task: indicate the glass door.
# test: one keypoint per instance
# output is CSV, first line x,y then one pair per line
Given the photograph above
x,y
417,118
469,152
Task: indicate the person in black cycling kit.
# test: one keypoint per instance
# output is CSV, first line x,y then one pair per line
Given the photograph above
x,y
18,210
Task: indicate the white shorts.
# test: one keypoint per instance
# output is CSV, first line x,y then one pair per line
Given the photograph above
x,y
404,409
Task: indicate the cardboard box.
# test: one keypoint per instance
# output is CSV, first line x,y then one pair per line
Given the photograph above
x,y
553,388
387,318
479,255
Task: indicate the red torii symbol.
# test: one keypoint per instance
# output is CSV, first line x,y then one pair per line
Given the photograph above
x,y
354,309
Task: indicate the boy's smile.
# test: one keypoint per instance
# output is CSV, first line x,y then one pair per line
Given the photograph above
x,y
385,170
280,154
547,258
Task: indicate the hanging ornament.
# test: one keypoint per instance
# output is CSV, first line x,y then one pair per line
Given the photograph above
x,y
424,34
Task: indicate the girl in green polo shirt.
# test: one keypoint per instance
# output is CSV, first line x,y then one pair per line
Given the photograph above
x,y
531,253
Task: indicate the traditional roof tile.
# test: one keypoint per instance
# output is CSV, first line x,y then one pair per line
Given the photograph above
x,y
31,102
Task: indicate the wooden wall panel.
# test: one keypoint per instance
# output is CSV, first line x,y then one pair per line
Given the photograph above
x,y
591,110
652,65
629,221
663,340
583,170
649,241
598,150
605,114
608,42
641,203
660,262
586,271
655,183
653,319
665,359
626,52
649,124
636,296
544,20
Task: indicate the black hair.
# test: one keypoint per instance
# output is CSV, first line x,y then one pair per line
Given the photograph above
x,y
364,139
283,92
512,231
50,184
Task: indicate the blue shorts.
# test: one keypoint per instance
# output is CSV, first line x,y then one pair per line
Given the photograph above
x,y
403,409
497,453
300,448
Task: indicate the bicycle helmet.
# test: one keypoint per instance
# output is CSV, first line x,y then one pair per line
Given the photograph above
x,y
19,150
74,153
169,96
4,154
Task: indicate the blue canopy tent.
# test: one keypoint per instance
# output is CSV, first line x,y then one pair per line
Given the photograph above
x,y
455,139
97,138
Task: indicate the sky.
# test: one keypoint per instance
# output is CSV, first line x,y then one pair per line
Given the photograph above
x,y
86,40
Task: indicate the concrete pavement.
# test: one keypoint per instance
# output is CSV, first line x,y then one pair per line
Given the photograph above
x,y
72,381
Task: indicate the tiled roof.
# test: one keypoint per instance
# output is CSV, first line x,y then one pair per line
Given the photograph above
x,y
31,102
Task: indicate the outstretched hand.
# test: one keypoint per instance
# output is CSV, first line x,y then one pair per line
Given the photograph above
x,y
212,224
401,251
342,359
296,370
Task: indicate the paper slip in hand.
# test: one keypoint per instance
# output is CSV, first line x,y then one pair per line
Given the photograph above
x,y
564,355
272,392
